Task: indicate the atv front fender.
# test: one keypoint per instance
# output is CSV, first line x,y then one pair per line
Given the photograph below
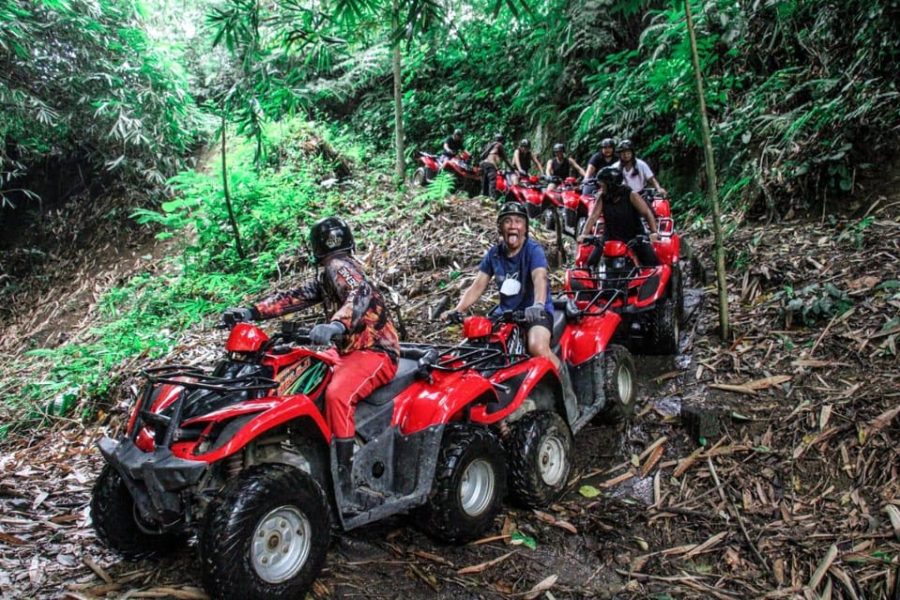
x,y
521,379
275,412
588,337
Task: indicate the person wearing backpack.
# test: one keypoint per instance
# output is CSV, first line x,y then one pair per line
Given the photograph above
x,y
491,156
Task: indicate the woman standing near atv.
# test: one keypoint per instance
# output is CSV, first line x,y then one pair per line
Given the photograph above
x,y
367,357
622,209
523,159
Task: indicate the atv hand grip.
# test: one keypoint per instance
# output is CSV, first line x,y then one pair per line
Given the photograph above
x,y
455,318
426,362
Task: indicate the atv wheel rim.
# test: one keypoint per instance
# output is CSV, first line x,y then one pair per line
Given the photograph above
x,y
476,490
552,460
624,385
281,544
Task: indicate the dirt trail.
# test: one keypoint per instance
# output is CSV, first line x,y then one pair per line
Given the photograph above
x,y
805,458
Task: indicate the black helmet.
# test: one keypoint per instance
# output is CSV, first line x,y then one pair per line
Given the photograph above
x,y
330,235
512,208
499,137
559,148
626,145
525,143
609,143
457,131
611,176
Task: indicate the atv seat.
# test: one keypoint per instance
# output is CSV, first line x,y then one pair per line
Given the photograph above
x,y
373,414
561,310
406,373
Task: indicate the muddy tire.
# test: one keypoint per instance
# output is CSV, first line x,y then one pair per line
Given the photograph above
x,y
664,329
469,485
561,253
618,385
267,535
539,453
676,290
422,176
549,218
117,523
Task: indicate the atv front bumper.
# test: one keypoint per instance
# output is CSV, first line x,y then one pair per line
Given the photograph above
x,y
155,479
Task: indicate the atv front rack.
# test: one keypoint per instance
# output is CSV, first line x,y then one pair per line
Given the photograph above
x,y
187,378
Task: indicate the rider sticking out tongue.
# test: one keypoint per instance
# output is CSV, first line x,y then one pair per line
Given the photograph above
x,y
518,267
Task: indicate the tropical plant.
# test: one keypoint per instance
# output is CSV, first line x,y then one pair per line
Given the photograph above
x,y
85,95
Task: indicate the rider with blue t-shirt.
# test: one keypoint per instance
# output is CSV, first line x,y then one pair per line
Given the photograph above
x,y
519,267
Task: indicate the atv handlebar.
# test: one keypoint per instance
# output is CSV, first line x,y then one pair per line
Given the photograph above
x,y
293,332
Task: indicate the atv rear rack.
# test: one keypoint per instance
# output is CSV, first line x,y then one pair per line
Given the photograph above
x,y
453,358
195,379
595,299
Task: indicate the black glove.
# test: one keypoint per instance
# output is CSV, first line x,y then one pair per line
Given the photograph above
x,y
453,316
535,313
322,333
233,316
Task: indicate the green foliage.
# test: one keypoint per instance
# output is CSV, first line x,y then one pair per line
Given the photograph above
x,y
144,318
856,233
80,81
813,303
795,99
439,188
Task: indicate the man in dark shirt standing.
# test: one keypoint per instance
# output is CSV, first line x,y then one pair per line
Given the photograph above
x,y
491,157
453,145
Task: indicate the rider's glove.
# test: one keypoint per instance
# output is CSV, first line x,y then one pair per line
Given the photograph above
x,y
453,316
535,313
233,316
322,333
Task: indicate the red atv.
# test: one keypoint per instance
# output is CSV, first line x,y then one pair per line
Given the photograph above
x,y
650,299
242,456
535,413
529,190
503,184
566,210
466,174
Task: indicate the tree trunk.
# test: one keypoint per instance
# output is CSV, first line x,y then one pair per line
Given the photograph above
x,y
234,227
398,100
711,179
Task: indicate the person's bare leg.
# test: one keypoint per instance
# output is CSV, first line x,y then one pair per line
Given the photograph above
x,y
539,344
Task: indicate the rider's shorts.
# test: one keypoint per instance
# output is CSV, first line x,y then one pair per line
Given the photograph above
x,y
546,321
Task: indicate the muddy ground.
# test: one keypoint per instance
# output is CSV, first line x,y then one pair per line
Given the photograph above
x,y
791,493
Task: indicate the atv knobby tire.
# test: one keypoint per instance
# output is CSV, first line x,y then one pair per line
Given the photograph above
x,y
676,291
664,328
423,176
539,453
469,485
115,521
266,536
618,385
